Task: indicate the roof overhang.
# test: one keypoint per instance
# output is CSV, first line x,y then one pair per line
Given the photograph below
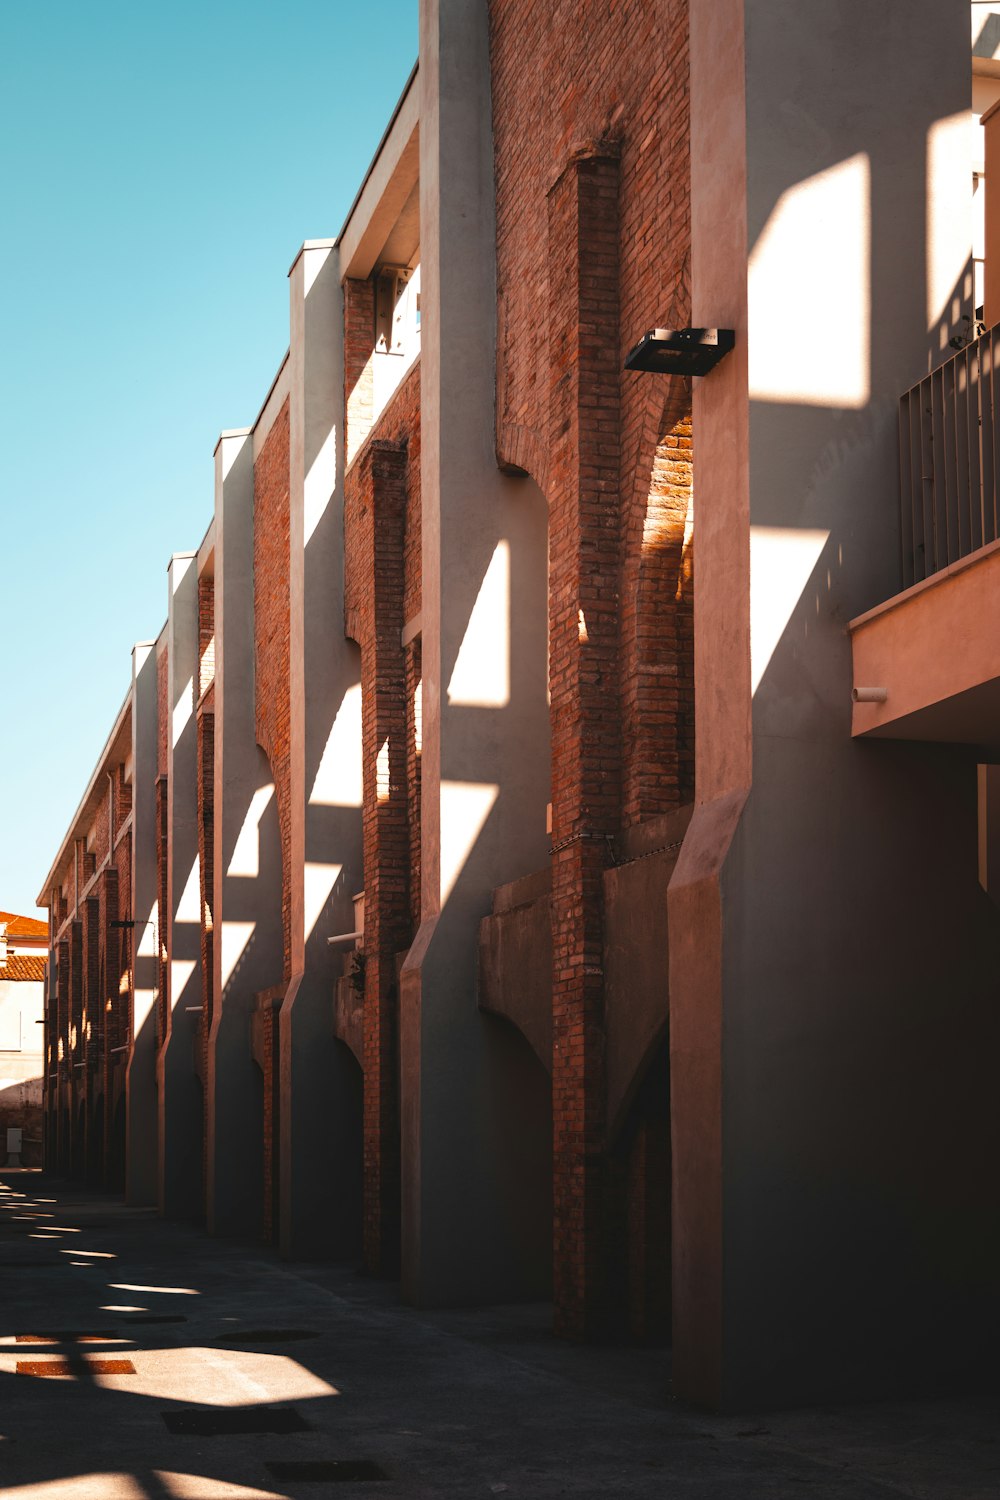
x,y
383,224
117,748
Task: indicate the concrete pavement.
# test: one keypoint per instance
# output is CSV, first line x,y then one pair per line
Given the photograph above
x,y
223,1341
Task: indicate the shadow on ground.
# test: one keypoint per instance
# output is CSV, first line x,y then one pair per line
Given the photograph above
x,y
245,1377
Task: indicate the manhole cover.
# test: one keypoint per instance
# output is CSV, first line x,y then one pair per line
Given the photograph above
x,y
266,1336
215,1421
324,1468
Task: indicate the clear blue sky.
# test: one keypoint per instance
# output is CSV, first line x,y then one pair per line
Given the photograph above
x,y
159,167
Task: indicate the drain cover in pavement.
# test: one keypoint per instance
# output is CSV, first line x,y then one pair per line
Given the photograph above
x,y
68,1367
324,1468
221,1421
266,1336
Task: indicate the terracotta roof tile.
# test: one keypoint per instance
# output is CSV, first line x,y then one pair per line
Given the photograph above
x,y
23,926
23,966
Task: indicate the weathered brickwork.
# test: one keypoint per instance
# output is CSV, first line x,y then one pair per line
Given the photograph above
x,y
206,632
267,1019
626,86
359,372
592,189
380,526
414,700
584,544
89,1018
272,635
589,106
162,907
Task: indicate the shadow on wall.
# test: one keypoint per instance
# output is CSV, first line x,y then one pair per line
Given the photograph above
x,y
860,976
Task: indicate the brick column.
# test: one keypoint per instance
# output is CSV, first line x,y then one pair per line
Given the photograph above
x,y
162,905
74,1047
377,508
359,374
267,1019
90,1020
586,746
105,1021
59,1060
206,868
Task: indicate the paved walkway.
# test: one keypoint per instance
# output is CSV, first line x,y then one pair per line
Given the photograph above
x,y
204,1371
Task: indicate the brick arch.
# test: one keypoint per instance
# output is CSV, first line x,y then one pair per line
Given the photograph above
x,y
522,453
657,589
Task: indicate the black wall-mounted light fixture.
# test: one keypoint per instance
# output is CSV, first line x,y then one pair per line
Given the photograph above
x,y
680,351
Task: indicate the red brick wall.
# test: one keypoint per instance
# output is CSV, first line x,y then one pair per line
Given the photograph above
x,y
206,632
99,834
271,1068
359,344
123,797
567,76
93,993
123,944
590,113
162,907
382,592
272,634
583,679
86,1077
162,710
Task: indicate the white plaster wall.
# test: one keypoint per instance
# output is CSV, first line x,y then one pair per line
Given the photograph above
x,y
21,1004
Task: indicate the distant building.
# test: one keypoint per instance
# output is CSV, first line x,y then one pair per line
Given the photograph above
x,y
23,949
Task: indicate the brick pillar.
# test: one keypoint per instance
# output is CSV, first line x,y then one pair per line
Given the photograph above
x,y
162,908
586,750
359,375
93,1005
74,1048
414,735
59,1061
386,833
206,876
110,998
268,1018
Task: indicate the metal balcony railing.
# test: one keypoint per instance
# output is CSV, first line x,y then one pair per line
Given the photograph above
x,y
949,454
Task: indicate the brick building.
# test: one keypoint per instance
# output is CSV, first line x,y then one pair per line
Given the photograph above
x,y
24,944
443,899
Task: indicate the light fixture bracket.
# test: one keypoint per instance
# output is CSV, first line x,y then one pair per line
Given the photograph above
x,y
680,351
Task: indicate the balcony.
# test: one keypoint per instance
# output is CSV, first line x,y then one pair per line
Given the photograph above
x,y
949,452
926,664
